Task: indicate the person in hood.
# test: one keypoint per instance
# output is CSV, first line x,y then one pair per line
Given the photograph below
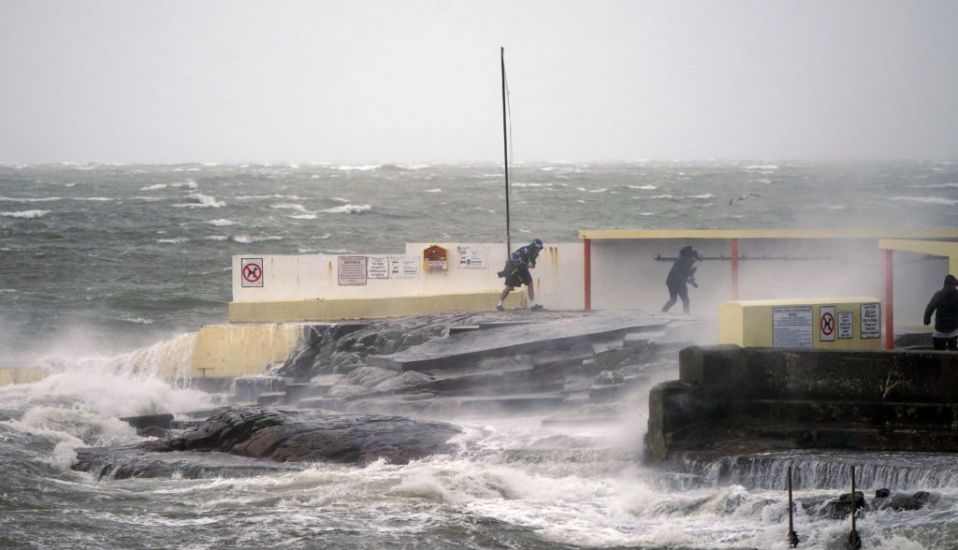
x,y
944,304
517,273
680,276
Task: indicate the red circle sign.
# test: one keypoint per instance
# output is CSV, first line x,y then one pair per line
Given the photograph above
x,y
252,273
828,323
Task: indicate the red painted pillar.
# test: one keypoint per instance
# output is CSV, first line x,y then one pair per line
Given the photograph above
x,y
734,253
587,272
889,302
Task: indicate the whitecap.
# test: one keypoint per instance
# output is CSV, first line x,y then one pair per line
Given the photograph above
x,y
646,213
217,238
348,209
357,168
289,206
339,199
26,214
95,199
7,290
29,199
483,209
69,184
580,201
761,167
138,320
661,197
530,184
246,239
644,187
942,186
322,237
835,207
436,190
600,190
580,189
416,166
702,196
178,240
765,181
221,222
303,217
154,187
204,201
927,200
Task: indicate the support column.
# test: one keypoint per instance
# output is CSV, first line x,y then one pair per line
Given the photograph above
x,y
888,301
734,253
587,273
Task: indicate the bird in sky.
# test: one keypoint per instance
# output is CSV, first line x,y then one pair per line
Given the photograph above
x,y
742,197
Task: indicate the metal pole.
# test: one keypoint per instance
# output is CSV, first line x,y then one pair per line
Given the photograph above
x,y
587,272
889,300
734,269
854,541
505,147
792,535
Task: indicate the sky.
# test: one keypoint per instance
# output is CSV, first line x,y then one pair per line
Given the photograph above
x,y
419,81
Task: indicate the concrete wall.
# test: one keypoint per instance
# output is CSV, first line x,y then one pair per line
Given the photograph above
x,y
16,375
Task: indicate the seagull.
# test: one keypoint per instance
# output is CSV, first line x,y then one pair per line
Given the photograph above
x,y
742,197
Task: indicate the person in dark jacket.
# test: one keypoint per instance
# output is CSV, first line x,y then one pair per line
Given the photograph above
x,y
680,276
944,304
517,273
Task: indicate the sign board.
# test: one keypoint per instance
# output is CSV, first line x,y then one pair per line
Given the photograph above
x,y
871,321
472,257
846,322
377,267
403,267
351,270
251,272
827,324
792,327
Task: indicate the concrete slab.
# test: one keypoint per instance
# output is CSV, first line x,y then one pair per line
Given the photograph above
x,y
465,349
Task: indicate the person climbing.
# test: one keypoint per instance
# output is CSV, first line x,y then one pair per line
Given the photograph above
x,y
944,304
680,276
517,273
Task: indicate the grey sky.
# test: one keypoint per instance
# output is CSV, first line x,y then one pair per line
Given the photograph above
x,y
410,81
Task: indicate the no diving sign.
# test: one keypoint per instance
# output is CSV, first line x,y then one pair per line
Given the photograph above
x,y
251,272
827,324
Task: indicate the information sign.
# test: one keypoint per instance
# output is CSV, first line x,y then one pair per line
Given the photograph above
x,y
871,321
792,327
377,267
827,324
351,270
846,322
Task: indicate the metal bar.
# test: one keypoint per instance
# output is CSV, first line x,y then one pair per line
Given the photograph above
x,y
792,535
854,541
505,148
734,252
888,305
587,273
742,258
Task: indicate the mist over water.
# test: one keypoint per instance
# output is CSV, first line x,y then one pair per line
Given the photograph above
x,y
107,271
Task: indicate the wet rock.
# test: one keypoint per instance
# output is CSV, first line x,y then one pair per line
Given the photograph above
x,y
900,502
841,507
882,493
284,436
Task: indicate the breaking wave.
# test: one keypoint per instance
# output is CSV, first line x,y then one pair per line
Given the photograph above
x,y
926,200
203,201
25,214
349,209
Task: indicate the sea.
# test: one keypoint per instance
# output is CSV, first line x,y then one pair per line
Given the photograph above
x,y
108,270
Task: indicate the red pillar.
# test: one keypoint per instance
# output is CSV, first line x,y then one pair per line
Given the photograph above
x,y
587,272
888,302
734,253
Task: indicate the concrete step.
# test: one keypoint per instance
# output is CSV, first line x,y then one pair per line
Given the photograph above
x,y
521,403
499,382
271,398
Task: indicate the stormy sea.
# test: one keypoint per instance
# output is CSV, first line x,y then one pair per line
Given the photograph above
x,y
108,271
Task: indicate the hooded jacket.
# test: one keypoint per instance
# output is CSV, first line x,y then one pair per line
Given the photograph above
x,y
945,306
683,270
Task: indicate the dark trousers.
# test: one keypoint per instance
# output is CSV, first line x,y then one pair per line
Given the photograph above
x,y
950,343
678,291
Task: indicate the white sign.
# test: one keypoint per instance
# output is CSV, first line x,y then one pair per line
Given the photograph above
x,y
472,257
846,320
403,267
792,327
871,321
827,324
351,270
251,272
377,267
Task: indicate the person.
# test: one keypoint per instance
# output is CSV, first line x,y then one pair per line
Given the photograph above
x,y
680,276
944,304
517,273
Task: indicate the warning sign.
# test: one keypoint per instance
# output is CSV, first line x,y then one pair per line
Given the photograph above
x,y
827,324
792,327
377,267
871,321
351,270
251,272
471,257
403,267
846,322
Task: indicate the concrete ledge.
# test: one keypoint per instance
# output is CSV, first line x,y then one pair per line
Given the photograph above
x,y
328,310
16,375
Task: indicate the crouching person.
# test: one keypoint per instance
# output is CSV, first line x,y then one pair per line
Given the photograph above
x,y
517,273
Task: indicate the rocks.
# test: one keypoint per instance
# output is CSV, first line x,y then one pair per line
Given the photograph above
x,y
286,437
841,507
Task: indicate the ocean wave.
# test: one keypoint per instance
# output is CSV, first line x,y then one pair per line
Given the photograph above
x,y
926,200
189,184
25,214
94,199
303,217
177,240
764,181
221,222
760,167
661,197
435,190
646,213
357,168
702,196
217,238
600,190
289,206
30,199
322,237
348,209
941,186
273,196
644,187
339,199
138,320
247,239
203,201
530,184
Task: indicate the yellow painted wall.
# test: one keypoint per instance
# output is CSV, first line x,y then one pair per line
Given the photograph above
x,y
325,310
229,351
749,323
11,375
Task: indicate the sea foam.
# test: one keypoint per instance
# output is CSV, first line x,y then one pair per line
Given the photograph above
x,y
25,214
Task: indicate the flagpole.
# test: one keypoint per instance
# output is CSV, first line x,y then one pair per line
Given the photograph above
x,y
505,147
